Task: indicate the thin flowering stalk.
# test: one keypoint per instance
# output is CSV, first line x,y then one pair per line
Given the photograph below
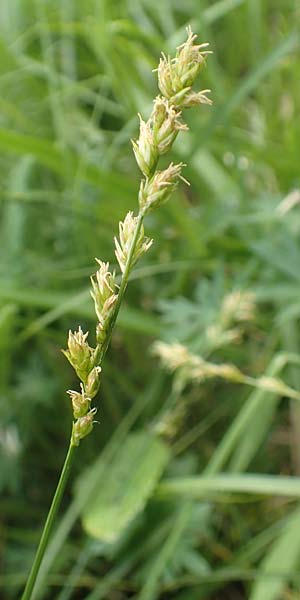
x,y
176,357
176,77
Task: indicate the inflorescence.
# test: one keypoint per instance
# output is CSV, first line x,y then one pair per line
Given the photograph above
x,y
176,77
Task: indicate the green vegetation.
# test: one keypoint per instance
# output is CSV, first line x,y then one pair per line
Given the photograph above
x,y
189,486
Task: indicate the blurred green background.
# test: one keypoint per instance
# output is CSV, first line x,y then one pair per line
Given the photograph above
x,y
73,77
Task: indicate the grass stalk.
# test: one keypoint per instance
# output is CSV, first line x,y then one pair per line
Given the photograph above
x,y
72,447
175,78
27,594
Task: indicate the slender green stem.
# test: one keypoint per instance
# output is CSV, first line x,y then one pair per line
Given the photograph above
x,y
49,523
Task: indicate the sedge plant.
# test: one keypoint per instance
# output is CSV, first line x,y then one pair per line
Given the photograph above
x,y
176,77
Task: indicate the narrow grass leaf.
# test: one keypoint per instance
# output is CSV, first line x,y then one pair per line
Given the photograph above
x,y
283,558
200,487
260,405
150,591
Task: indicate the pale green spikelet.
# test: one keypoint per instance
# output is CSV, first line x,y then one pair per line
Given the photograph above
x,y
177,75
80,402
145,149
93,382
195,98
104,289
123,244
104,293
166,124
156,191
79,353
83,426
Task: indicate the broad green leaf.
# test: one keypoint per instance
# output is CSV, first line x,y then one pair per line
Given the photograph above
x,y
125,486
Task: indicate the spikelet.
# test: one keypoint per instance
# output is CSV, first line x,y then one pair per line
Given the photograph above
x,y
157,190
79,353
104,294
176,76
123,244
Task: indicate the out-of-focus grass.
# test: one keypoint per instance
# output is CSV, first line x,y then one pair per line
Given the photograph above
x,y
73,76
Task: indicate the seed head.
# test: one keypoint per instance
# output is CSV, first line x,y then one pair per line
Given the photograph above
x,y
189,59
173,356
80,402
237,306
176,76
123,245
145,150
93,382
157,190
166,123
191,99
104,288
83,426
104,296
79,353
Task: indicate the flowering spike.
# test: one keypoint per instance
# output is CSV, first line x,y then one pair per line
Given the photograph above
x,y
93,382
123,245
166,124
79,353
177,75
83,426
195,98
157,190
104,296
104,287
80,402
145,150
